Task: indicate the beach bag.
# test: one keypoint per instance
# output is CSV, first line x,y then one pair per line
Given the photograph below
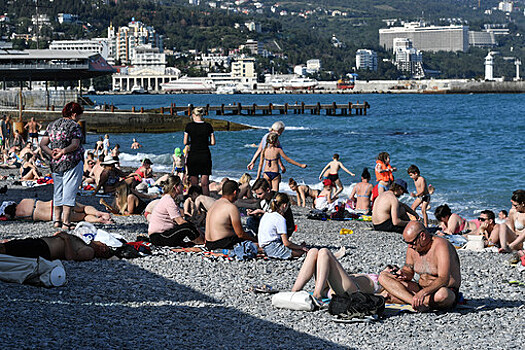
x,y
300,301
356,305
38,272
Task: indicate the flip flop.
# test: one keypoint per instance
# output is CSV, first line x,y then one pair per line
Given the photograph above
x,y
262,289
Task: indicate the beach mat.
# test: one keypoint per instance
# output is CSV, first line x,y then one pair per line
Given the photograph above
x,y
396,309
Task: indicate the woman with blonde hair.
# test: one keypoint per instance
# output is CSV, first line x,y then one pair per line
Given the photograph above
x,y
166,224
272,235
271,158
128,201
245,190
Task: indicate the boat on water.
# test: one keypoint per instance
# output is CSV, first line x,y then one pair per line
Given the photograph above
x,y
345,84
137,90
189,84
300,84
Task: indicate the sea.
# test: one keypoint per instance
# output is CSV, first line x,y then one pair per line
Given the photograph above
x,y
469,147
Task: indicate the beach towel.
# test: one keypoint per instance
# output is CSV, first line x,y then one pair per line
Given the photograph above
x,y
39,272
88,232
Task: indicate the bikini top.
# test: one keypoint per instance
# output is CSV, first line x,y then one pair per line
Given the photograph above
x,y
518,225
270,160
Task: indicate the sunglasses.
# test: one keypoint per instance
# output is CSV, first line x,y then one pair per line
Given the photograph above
x,y
415,240
482,219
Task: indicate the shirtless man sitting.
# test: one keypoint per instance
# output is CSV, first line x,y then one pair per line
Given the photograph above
x,y
61,246
197,205
223,222
436,261
389,214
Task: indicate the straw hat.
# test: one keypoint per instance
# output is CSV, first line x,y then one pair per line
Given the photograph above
x,y
109,160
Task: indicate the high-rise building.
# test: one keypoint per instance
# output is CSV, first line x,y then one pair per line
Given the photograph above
x,y
99,45
427,38
244,68
124,40
482,39
366,59
408,58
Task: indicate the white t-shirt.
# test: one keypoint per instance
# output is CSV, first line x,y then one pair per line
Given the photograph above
x,y
271,227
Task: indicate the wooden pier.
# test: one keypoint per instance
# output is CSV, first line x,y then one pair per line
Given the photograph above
x,y
332,109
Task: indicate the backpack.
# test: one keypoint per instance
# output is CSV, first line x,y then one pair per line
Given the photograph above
x,y
356,305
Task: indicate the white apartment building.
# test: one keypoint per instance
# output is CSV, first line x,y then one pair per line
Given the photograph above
x,y
506,6
313,66
427,38
253,46
366,59
482,39
300,70
408,58
148,57
99,45
123,41
244,68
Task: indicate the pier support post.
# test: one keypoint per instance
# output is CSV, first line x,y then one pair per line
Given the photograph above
x,y
239,109
270,108
286,108
302,107
141,109
133,109
318,108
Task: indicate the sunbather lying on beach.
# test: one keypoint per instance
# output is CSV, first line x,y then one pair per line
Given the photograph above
x,y
61,246
35,210
453,224
330,274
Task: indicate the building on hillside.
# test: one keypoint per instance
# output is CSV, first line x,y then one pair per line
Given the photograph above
x,y
123,41
253,46
366,59
41,20
67,18
300,70
99,45
244,68
506,6
482,39
408,58
148,57
253,26
313,66
427,38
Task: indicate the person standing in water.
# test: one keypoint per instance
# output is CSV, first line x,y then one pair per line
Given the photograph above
x,y
331,172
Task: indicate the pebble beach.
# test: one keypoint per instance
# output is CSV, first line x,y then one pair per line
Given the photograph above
x,y
185,300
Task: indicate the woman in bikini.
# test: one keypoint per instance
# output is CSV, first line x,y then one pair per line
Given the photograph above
x,y
303,192
35,210
271,158
511,234
128,201
453,224
331,277
361,193
110,177
28,170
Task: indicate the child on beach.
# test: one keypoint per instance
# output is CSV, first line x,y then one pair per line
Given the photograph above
x,y
324,200
331,172
273,237
422,193
106,149
178,163
303,192
271,157
384,170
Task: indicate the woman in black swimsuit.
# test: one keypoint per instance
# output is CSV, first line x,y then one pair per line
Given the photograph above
x,y
199,136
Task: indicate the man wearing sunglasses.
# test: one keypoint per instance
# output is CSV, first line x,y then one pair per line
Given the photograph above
x,y
487,221
436,261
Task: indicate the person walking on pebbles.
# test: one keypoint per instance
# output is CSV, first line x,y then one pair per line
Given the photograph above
x,y
436,262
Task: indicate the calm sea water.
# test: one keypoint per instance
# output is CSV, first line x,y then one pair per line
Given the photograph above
x,y
470,147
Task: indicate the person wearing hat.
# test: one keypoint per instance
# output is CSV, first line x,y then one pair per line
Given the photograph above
x,y
389,214
178,163
110,177
277,128
198,135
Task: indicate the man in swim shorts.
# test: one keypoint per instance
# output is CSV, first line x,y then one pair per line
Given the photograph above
x,y
436,261
61,246
389,214
223,222
32,128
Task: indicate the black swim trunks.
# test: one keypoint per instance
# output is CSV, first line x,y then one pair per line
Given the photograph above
x,y
333,177
388,226
224,243
425,198
28,248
